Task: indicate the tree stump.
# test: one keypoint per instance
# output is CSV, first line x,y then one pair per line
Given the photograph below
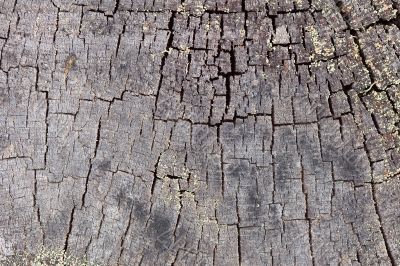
x,y
200,132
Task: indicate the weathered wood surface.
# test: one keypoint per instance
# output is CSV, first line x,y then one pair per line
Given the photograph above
x,y
207,132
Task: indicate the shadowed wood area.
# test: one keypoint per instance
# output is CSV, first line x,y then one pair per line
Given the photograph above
x,y
200,132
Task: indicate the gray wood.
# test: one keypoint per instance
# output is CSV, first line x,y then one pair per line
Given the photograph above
x,y
200,132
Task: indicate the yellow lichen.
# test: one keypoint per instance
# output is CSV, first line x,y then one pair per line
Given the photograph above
x,y
321,47
46,257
